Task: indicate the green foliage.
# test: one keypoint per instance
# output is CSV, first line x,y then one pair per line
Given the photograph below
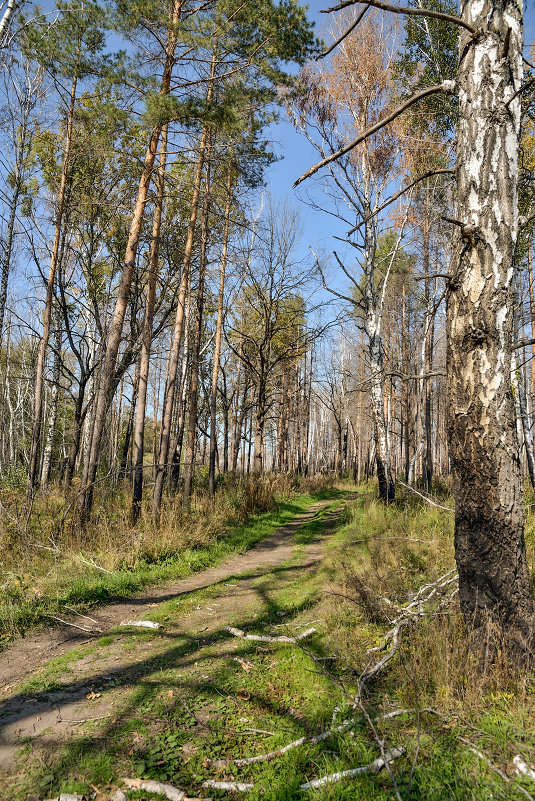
x,y
429,57
72,44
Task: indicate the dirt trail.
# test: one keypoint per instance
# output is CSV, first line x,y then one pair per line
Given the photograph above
x,y
49,718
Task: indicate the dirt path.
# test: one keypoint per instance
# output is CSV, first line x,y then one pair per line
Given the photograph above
x,y
95,673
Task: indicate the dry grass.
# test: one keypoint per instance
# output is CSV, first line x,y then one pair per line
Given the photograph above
x,y
51,559
389,553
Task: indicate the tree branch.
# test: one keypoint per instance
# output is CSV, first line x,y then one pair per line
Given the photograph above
x,y
394,197
519,91
415,12
344,35
446,86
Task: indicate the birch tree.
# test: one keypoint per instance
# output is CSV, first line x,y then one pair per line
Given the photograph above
x,y
494,587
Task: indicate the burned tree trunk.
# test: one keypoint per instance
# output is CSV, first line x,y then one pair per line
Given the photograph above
x,y
489,520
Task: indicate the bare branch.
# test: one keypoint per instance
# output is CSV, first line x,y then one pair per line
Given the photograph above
x,y
446,86
519,91
426,499
265,638
345,34
394,197
415,12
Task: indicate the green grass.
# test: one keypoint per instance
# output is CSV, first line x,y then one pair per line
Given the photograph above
x,y
21,609
186,700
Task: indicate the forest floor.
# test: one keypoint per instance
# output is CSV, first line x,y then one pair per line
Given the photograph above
x,y
80,711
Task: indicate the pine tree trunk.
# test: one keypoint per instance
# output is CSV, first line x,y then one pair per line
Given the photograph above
x,y
169,401
105,389
139,429
189,465
494,587
218,334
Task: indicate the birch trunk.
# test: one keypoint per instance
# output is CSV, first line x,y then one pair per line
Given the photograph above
x,y
53,416
372,325
494,588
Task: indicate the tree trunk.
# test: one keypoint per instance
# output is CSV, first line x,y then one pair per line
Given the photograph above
x,y
53,416
139,430
116,329
43,344
189,466
218,333
494,588
167,416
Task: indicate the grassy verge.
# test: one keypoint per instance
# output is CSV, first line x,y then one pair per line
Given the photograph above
x,y
189,698
43,581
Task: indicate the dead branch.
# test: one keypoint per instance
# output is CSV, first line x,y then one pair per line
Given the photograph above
x,y
92,563
373,767
523,768
318,738
425,498
232,787
266,638
94,630
414,610
446,86
142,624
483,756
162,788
415,12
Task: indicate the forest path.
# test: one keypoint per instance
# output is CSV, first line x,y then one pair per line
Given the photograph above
x,y
58,683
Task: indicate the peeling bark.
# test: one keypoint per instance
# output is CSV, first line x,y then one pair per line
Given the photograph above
x,y
494,585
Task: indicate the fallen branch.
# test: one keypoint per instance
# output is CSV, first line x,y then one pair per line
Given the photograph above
x,y
518,761
94,630
91,563
417,608
265,638
522,768
373,767
163,788
70,609
232,787
143,624
426,499
318,738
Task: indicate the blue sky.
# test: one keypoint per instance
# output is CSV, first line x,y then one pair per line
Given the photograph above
x,y
298,155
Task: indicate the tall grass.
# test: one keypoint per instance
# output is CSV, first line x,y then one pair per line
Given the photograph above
x,y
52,562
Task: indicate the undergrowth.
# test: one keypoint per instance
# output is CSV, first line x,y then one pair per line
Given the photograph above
x,y
52,564
191,698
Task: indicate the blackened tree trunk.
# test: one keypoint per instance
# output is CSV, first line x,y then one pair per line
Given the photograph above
x,y
494,586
